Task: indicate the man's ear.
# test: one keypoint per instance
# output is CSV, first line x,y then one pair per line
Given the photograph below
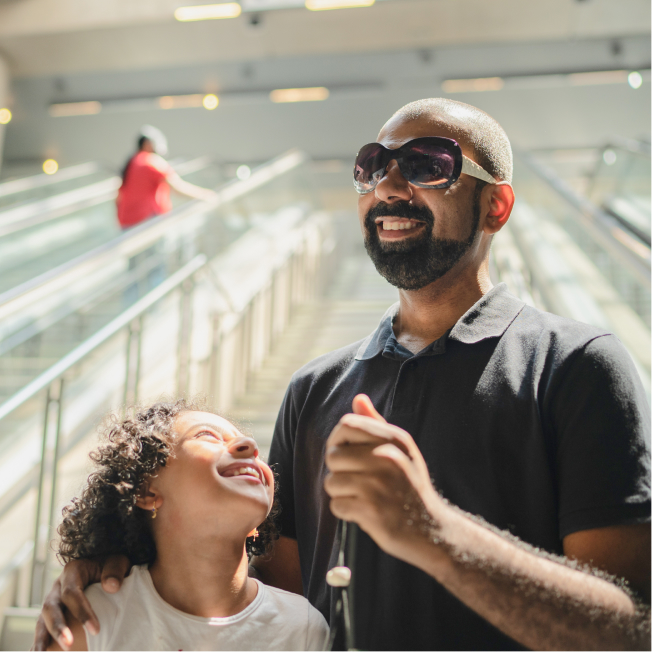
x,y
500,207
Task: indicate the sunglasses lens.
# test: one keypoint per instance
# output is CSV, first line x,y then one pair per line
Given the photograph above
x,y
428,165
369,167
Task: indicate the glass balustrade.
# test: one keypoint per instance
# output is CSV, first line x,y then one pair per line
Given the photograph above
x,y
193,308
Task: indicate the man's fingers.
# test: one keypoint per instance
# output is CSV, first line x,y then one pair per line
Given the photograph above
x,y
115,569
362,405
42,637
358,458
358,429
77,603
345,508
54,622
398,457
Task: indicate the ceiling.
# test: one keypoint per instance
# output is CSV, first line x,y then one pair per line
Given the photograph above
x,y
372,60
46,37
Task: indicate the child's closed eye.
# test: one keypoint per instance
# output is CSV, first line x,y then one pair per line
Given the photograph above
x,y
211,435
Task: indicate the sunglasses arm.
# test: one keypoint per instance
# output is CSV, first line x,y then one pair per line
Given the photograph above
x,y
474,170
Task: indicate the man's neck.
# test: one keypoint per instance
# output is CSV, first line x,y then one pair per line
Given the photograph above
x,y
207,578
425,315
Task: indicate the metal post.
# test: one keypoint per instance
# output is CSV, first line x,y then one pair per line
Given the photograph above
x,y
132,378
273,297
54,483
139,349
33,589
213,365
185,335
40,554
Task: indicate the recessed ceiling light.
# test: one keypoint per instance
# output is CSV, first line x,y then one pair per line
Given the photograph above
x,y
66,109
208,12
314,94
472,85
324,5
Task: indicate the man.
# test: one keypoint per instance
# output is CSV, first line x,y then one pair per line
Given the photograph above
x,y
535,423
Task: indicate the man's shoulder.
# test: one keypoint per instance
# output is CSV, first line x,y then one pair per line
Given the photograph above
x,y
326,366
554,331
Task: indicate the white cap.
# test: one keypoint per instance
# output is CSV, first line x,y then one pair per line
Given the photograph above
x,y
156,137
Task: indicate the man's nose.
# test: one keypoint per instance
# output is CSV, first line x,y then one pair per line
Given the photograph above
x,y
244,447
393,186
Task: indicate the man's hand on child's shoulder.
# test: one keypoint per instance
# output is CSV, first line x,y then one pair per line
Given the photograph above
x,y
68,592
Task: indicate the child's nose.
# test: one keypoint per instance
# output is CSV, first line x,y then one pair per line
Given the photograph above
x,y
245,446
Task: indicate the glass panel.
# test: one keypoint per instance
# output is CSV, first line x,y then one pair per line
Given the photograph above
x,y
621,185
549,205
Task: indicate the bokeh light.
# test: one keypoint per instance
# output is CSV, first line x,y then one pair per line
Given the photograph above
x,y
210,101
609,156
50,166
5,116
634,79
243,172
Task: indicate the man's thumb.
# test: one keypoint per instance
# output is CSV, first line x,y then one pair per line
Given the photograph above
x,y
362,405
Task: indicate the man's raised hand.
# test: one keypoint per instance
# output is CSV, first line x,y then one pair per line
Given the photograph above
x,y
379,480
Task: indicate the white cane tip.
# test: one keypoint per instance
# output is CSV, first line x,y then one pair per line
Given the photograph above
x,y
339,576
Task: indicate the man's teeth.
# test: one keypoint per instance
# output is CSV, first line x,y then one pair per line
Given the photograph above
x,y
398,226
245,470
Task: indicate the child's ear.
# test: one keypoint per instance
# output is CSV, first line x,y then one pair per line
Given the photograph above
x,y
148,499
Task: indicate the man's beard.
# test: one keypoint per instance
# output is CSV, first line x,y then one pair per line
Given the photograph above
x,y
415,262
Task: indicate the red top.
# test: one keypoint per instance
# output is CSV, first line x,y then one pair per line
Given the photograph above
x,y
144,191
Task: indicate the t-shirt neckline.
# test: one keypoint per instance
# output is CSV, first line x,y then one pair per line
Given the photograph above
x,y
216,621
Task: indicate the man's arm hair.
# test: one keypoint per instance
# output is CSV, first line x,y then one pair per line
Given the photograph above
x,y
542,600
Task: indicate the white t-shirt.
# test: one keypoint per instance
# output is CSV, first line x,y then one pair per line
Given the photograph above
x,y
137,618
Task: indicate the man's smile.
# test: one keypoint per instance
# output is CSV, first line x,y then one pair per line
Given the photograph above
x,y
395,228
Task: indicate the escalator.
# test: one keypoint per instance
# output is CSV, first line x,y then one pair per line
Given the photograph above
x,y
44,222
568,255
46,320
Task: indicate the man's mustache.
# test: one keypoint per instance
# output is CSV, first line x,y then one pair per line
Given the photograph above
x,y
399,209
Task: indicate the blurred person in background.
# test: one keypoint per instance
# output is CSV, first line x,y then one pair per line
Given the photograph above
x,y
146,181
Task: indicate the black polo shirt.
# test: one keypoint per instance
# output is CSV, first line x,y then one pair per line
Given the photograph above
x,y
537,423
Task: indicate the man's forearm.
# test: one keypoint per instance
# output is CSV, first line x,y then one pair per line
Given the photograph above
x,y
540,601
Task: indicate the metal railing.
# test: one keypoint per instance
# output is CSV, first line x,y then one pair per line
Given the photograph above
x,y
15,186
138,238
603,228
38,212
223,332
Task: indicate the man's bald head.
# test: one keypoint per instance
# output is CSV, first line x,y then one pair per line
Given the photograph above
x,y
470,126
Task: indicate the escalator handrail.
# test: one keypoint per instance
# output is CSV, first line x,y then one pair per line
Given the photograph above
x,y
141,236
29,214
633,254
630,145
92,343
14,186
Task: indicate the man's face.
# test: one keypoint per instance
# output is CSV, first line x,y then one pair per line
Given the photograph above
x,y
413,235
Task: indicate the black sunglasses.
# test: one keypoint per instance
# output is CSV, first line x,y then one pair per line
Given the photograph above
x,y
429,162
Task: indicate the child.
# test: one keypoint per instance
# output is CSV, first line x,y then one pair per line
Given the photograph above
x,y
182,493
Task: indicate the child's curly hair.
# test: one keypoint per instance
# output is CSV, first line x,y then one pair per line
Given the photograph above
x,y
106,520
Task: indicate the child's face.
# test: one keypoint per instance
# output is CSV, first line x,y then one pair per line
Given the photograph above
x,y
214,478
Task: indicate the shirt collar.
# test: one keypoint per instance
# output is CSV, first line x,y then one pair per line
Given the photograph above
x,y
489,317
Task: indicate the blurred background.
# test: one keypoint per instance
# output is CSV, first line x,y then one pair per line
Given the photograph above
x,y
267,103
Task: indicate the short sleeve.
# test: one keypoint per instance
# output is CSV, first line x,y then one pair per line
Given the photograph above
x,y
281,459
107,613
318,631
602,420
157,167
